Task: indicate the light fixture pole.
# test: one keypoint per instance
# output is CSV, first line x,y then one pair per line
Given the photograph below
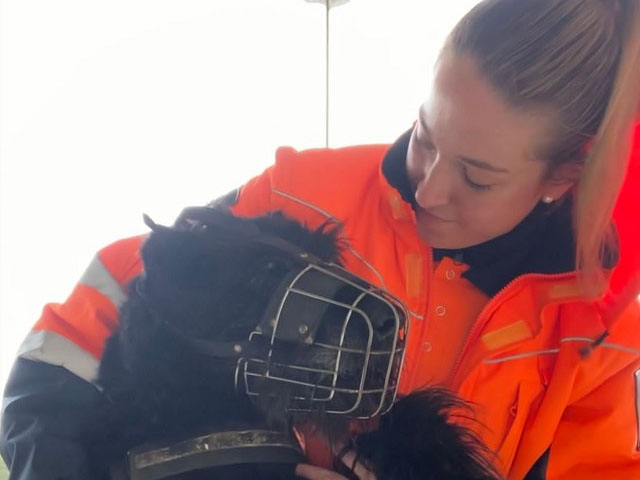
x,y
329,4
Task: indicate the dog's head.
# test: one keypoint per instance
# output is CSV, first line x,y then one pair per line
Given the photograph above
x,y
249,322
240,329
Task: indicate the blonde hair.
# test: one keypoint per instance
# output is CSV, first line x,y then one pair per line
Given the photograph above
x,y
580,59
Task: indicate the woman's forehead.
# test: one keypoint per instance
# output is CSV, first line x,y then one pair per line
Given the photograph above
x,y
469,117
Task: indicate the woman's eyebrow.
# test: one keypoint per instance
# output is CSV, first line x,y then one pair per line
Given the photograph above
x,y
483,165
470,161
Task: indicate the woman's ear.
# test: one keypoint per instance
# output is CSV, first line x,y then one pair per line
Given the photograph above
x,y
561,180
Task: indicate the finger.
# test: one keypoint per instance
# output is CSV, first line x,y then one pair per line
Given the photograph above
x,y
350,460
311,472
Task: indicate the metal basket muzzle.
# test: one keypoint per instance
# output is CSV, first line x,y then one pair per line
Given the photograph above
x,y
330,341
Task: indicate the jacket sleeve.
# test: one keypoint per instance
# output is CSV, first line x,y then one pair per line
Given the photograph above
x,y
598,435
46,413
50,401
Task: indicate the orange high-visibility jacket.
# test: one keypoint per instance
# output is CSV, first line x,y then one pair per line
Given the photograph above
x,y
521,364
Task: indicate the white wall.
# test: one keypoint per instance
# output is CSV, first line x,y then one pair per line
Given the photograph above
x,y
109,109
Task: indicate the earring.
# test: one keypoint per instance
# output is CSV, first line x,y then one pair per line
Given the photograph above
x,y
547,199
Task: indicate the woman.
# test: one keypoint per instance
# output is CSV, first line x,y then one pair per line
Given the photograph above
x,y
524,134
490,218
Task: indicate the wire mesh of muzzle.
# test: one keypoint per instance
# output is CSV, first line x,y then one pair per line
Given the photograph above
x,y
349,336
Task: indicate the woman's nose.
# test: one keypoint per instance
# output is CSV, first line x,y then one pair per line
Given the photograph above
x,y
434,189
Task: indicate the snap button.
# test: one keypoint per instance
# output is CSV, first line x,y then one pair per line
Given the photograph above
x,y
441,310
450,274
427,347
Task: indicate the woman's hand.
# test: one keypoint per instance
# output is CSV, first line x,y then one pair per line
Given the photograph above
x,y
311,472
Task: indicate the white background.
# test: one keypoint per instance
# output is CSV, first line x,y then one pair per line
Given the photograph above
x,y
109,109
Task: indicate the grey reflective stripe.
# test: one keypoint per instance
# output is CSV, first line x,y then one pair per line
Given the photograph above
x,y
98,277
335,220
362,259
532,353
54,349
521,355
307,204
624,348
614,346
637,379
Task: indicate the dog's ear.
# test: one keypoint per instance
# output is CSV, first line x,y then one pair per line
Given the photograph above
x,y
418,439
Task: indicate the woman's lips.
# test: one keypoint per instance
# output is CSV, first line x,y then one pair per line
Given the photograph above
x,y
431,216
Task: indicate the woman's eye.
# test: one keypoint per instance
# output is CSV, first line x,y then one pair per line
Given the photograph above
x,y
476,186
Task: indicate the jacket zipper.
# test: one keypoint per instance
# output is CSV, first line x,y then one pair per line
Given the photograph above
x,y
484,315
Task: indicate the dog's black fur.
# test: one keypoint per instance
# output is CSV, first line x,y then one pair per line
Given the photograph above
x,y
206,284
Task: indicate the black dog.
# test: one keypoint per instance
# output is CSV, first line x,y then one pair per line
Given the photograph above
x,y
176,370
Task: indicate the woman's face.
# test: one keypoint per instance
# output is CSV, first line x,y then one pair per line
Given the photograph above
x,y
471,159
